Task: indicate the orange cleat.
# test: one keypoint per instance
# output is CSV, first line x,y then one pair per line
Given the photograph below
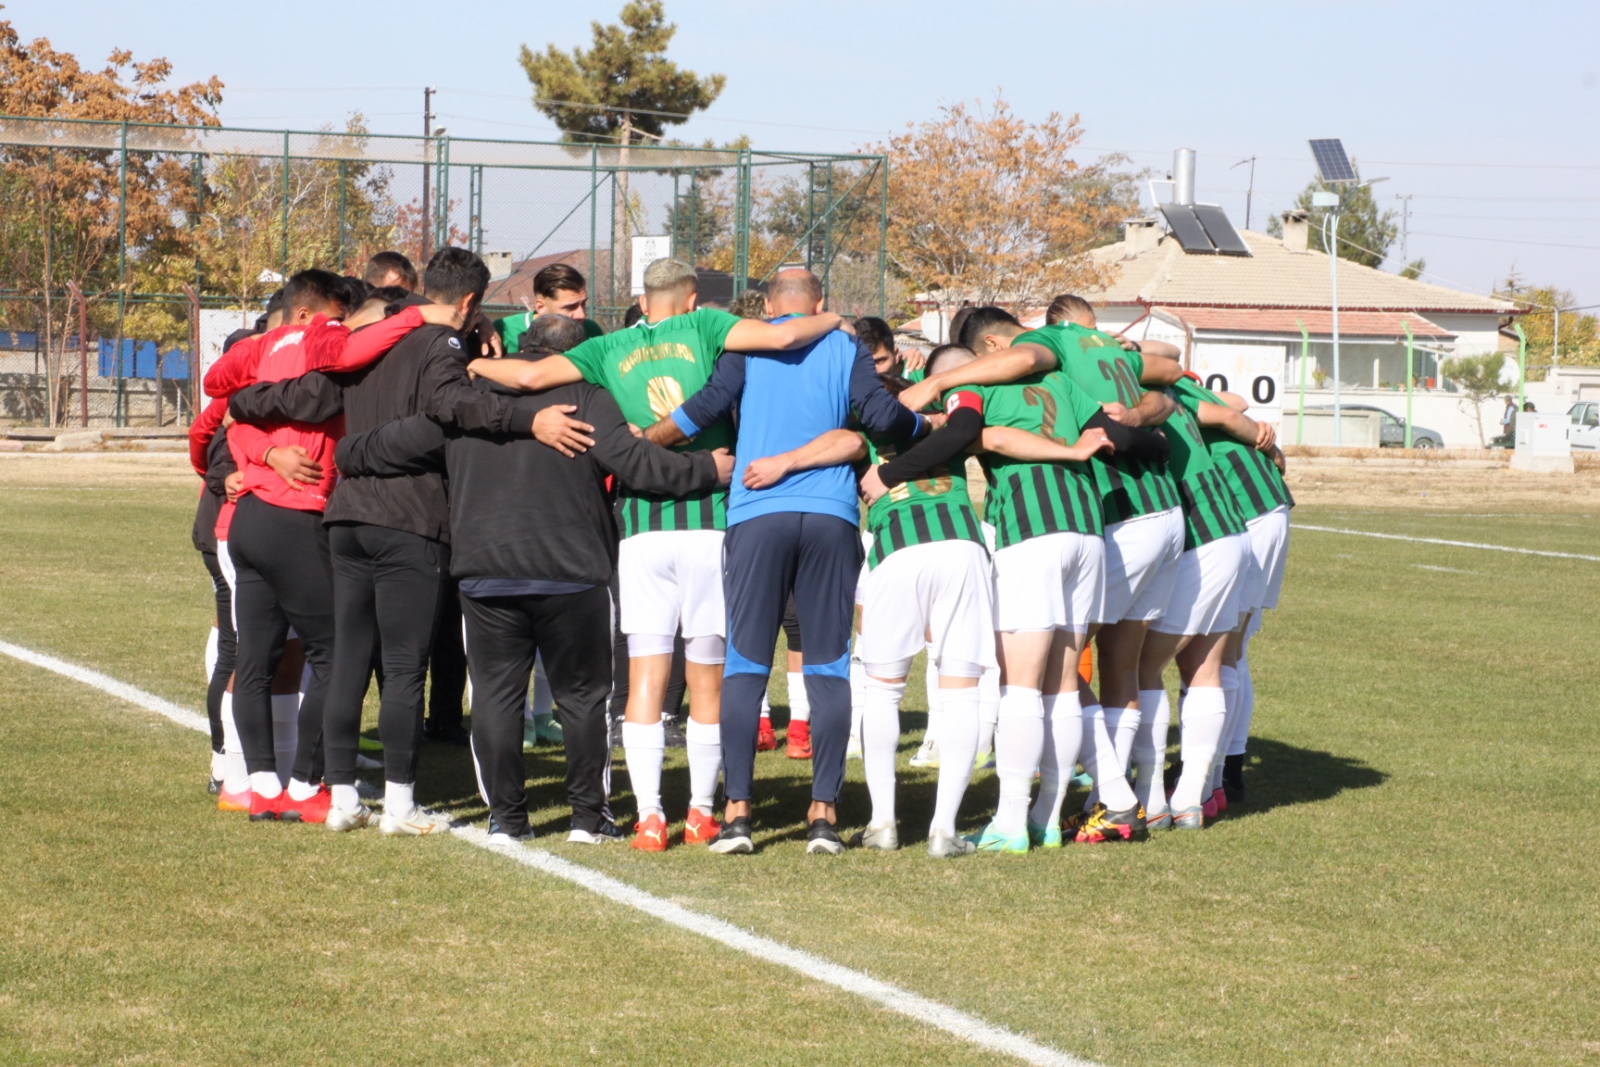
x,y
312,809
799,738
650,834
766,740
227,801
700,828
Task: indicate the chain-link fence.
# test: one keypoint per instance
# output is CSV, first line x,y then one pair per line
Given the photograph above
x,y
129,251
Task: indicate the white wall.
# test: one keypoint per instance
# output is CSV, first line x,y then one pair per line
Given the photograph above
x,y
1450,414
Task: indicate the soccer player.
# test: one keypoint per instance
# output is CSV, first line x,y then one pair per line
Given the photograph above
x,y
669,562
390,270
557,290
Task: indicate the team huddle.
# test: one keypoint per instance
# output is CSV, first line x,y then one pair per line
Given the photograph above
x,y
397,486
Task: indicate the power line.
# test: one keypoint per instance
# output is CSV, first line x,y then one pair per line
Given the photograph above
x,y
1508,241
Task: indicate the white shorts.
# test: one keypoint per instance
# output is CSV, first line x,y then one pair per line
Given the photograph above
x,y
1205,596
861,579
672,578
1269,545
1051,582
1141,565
942,590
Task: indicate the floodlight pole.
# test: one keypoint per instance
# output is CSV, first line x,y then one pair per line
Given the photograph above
x,y
1330,241
1522,365
1406,326
1305,358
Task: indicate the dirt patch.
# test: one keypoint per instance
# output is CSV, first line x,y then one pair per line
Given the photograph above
x,y
1444,488
105,469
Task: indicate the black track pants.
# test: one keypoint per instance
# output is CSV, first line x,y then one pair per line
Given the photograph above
x,y
386,587
448,665
280,556
573,632
227,649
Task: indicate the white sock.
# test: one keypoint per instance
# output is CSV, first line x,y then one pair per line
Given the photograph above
x,y
299,790
958,747
1204,713
880,739
236,778
799,700
644,745
285,731
1088,752
858,682
930,679
219,766
1150,750
1230,700
1111,785
988,709
766,707
704,741
267,783
1125,729
1018,743
1063,736
542,700
211,652
345,797
398,798
1239,739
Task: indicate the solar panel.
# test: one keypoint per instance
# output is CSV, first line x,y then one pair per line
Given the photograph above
x,y
1332,163
1220,230
1187,229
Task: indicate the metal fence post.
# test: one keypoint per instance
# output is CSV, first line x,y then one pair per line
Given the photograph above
x,y
883,240
122,271
284,220
475,208
1305,358
441,195
827,238
1410,375
343,178
594,190
1522,365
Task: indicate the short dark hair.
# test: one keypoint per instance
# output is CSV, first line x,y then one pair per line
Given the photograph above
x,y
632,315
558,276
454,273
750,304
940,356
320,291
957,321
874,333
382,264
893,384
1065,307
983,320
389,294
357,291
554,333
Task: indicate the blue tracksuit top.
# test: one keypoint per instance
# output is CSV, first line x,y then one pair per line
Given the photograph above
x,y
784,400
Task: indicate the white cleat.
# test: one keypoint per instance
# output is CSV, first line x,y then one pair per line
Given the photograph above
x,y
341,821
927,755
943,846
414,823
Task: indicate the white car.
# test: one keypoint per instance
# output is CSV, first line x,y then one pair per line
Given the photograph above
x,y
1585,430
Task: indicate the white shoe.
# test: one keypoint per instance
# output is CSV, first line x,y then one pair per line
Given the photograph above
x,y
414,823
605,835
927,755
340,820
942,846
853,749
367,763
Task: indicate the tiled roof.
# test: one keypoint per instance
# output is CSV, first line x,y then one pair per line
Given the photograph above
x,y
512,289
1318,323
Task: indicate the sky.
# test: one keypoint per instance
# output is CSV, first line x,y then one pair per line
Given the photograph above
x,y
1484,115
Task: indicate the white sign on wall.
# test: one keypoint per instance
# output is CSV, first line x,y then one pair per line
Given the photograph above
x,y
1254,372
646,250
215,326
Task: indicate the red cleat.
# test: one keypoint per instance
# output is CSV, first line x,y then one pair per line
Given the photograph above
x,y
1220,799
650,834
312,809
799,740
263,808
1209,808
700,828
766,740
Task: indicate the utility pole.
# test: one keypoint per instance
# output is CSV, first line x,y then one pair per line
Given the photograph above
x,y
1250,192
427,139
1405,227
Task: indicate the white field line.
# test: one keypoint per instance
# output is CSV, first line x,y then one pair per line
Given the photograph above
x,y
1441,541
952,1021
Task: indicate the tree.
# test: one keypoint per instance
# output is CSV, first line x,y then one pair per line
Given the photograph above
x,y
1478,377
621,86
1414,269
987,208
1365,233
1580,333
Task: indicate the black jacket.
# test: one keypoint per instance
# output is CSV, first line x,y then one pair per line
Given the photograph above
x,y
519,509
219,464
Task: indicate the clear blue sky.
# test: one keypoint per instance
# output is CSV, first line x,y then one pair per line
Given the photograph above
x,y
1485,114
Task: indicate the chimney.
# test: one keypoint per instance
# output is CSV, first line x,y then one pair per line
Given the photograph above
x,y
1183,176
1140,235
1295,230
499,264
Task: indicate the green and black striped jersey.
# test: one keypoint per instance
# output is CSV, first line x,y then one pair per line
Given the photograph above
x,y
1209,510
932,508
1256,485
1032,499
1097,364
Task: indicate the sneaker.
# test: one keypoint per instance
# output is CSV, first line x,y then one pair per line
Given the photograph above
x,y
991,840
766,740
341,821
1233,778
943,846
798,740
927,755
312,809
549,731
1210,808
1162,821
213,785
1072,824
880,838
367,763
650,834
700,828
499,836
1104,824
733,837
414,823
1189,819
853,749
1219,797
1044,836
239,801
603,834
823,837
983,761
530,735
263,809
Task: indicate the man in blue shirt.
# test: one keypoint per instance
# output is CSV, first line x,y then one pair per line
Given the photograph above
x,y
799,534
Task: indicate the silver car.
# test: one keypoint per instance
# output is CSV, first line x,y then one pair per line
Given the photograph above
x,y
1392,430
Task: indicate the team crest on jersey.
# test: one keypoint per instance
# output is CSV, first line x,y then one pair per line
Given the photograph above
x,y
665,394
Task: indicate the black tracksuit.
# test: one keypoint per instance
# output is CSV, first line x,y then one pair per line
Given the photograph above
x,y
219,464
539,526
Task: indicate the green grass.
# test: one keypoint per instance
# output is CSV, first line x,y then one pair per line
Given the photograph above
x,y
1412,880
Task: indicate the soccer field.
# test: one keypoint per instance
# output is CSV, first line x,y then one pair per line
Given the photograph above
x,y
1412,879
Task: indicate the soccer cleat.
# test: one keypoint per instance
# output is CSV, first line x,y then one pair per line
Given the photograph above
x,y
498,836
264,809
548,730
1104,824
733,837
213,785
1083,780
853,749
603,834
414,823
341,821
1189,819
700,828
239,801
312,809
927,755
650,834
946,846
798,740
823,839
1219,797
991,840
879,838
1044,836
1072,824
766,740
367,763
1159,822
983,761
1210,809
530,735
1233,778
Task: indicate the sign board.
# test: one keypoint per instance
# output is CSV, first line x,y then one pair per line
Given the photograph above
x,y
215,326
1543,433
1254,372
646,250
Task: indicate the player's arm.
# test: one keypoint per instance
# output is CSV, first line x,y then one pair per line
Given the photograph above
x,y
962,430
289,462
711,403
753,335
1158,369
1030,447
641,465
874,408
530,376
1153,348
236,369
313,397
825,450
412,445
337,349
1235,401
996,368
202,430
1237,425
1152,409
448,397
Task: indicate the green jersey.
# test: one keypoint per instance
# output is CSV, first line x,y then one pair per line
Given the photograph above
x,y
935,507
651,369
916,375
512,327
1209,510
1031,499
1255,483
1097,364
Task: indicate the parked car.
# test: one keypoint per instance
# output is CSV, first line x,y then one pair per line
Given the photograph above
x,y
1392,431
1585,429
